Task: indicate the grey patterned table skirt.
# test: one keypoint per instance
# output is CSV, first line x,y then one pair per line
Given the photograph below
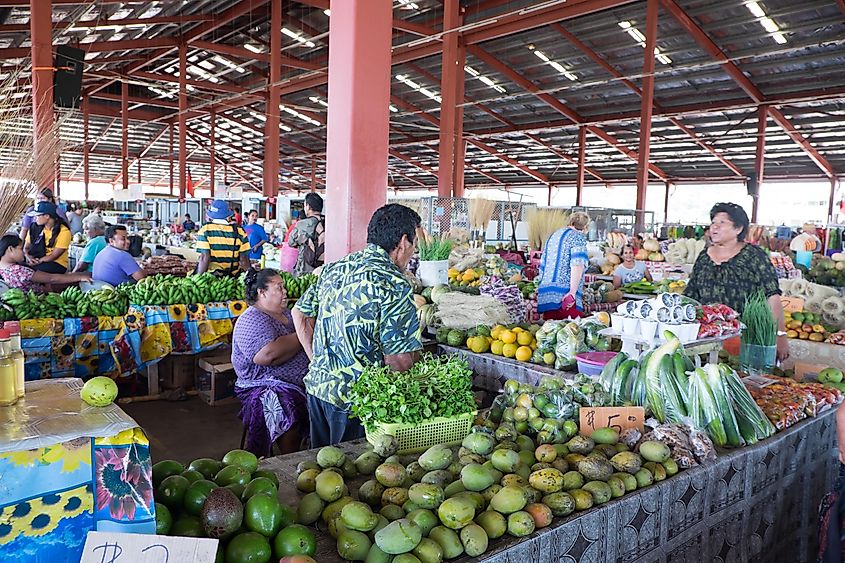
x,y
756,504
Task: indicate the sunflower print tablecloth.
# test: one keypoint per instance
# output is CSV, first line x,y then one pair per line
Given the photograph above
x,y
114,346
69,472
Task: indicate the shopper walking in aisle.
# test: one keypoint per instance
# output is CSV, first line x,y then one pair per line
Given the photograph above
x,y
114,265
16,274
730,270
45,194
256,234
270,365
223,247
359,312
308,235
95,229
47,239
562,267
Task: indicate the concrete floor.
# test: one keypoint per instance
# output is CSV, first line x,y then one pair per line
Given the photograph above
x,y
187,430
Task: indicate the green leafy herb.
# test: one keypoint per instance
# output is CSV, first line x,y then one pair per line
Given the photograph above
x,y
435,248
436,386
760,326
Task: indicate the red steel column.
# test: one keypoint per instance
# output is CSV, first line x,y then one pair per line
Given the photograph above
x,y
666,202
452,95
139,169
759,159
124,139
646,108
313,173
170,158
86,114
357,145
271,126
183,121
582,164
212,164
41,30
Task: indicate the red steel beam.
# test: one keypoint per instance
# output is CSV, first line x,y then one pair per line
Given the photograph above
x,y
124,133
199,84
212,122
451,108
183,123
86,176
584,48
399,102
759,159
155,20
271,113
100,47
248,55
646,106
157,102
582,165
559,106
745,83
841,4
241,8
41,52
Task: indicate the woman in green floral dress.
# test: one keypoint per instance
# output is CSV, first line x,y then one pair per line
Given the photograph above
x,y
730,270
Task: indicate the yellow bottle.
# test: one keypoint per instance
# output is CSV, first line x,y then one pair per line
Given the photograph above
x,y
8,391
14,329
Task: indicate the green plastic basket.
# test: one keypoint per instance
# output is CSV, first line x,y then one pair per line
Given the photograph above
x,y
420,437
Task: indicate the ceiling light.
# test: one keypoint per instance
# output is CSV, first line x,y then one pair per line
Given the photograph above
x,y
755,9
637,36
230,64
296,36
554,64
779,38
393,108
317,100
767,22
483,79
327,12
422,90
253,48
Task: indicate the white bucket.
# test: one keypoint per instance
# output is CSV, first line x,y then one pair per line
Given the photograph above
x,y
433,272
630,325
689,332
648,329
616,321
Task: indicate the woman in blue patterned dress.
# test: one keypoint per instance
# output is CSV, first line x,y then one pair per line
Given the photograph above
x,y
270,364
559,295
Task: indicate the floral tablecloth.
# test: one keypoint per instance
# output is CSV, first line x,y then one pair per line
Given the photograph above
x,y
67,468
117,346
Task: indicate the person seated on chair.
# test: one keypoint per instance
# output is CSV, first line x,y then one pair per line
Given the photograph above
x,y
16,274
270,364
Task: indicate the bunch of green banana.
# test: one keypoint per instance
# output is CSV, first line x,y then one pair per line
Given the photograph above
x,y
162,289
296,286
71,303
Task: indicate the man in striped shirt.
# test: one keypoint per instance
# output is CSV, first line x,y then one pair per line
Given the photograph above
x,y
223,247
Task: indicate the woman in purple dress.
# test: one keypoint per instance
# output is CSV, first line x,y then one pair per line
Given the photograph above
x,y
270,365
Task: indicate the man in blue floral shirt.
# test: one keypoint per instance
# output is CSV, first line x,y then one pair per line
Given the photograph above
x,y
360,312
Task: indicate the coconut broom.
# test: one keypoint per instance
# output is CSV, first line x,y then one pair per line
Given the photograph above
x,y
542,223
480,213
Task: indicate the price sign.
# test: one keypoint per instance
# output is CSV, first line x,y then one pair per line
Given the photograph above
x,y
618,418
110,547
792,304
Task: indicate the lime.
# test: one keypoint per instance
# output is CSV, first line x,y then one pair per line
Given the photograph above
x,y
268,474
192,475
171,491
245,459
207,466
232,474
196,494
294,540
164,520
187,526
248,547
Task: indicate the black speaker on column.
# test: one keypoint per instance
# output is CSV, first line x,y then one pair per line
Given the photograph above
x,y
753,185
67,80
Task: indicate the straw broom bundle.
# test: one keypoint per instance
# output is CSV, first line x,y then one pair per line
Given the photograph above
x,y
542,223
22,169
480,213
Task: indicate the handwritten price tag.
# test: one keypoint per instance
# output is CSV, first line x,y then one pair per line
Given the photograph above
x,y
792,304
110,547
618,418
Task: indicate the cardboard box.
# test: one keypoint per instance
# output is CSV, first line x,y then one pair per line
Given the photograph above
x,y
215,378
808,372
175,371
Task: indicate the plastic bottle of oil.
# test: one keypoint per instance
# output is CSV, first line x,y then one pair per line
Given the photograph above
x,y
8,391
14,329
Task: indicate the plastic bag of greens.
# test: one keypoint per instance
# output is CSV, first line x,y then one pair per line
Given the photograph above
x,y
753,424
570,341
592,338
547,336
710,408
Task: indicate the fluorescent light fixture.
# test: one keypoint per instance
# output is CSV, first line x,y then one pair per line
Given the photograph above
x,y
226,62
253,48
285,128
161,92
296,36
257,115
554,64
755,9
317,100
299,115
637,36
393,108
327,12
768,23
422,90
409,4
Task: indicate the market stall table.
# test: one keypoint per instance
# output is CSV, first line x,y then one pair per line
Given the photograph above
x,y
757,503
67,468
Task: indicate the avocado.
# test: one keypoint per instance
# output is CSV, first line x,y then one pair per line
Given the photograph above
x,y
222,514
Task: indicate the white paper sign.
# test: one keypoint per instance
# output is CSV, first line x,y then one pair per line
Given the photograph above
x,y
110,547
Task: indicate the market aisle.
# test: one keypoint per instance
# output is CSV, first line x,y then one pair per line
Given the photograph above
x,y
187,430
